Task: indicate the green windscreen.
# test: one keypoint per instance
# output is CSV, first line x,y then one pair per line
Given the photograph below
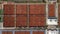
x,y
1,15
1,11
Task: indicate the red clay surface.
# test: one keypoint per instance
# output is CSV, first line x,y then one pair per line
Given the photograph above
x,y
21,9
37,9
59,11
51,8
34,20
38,32
9,9
7,32
8,21
21,20
22,32
59,14
37,20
